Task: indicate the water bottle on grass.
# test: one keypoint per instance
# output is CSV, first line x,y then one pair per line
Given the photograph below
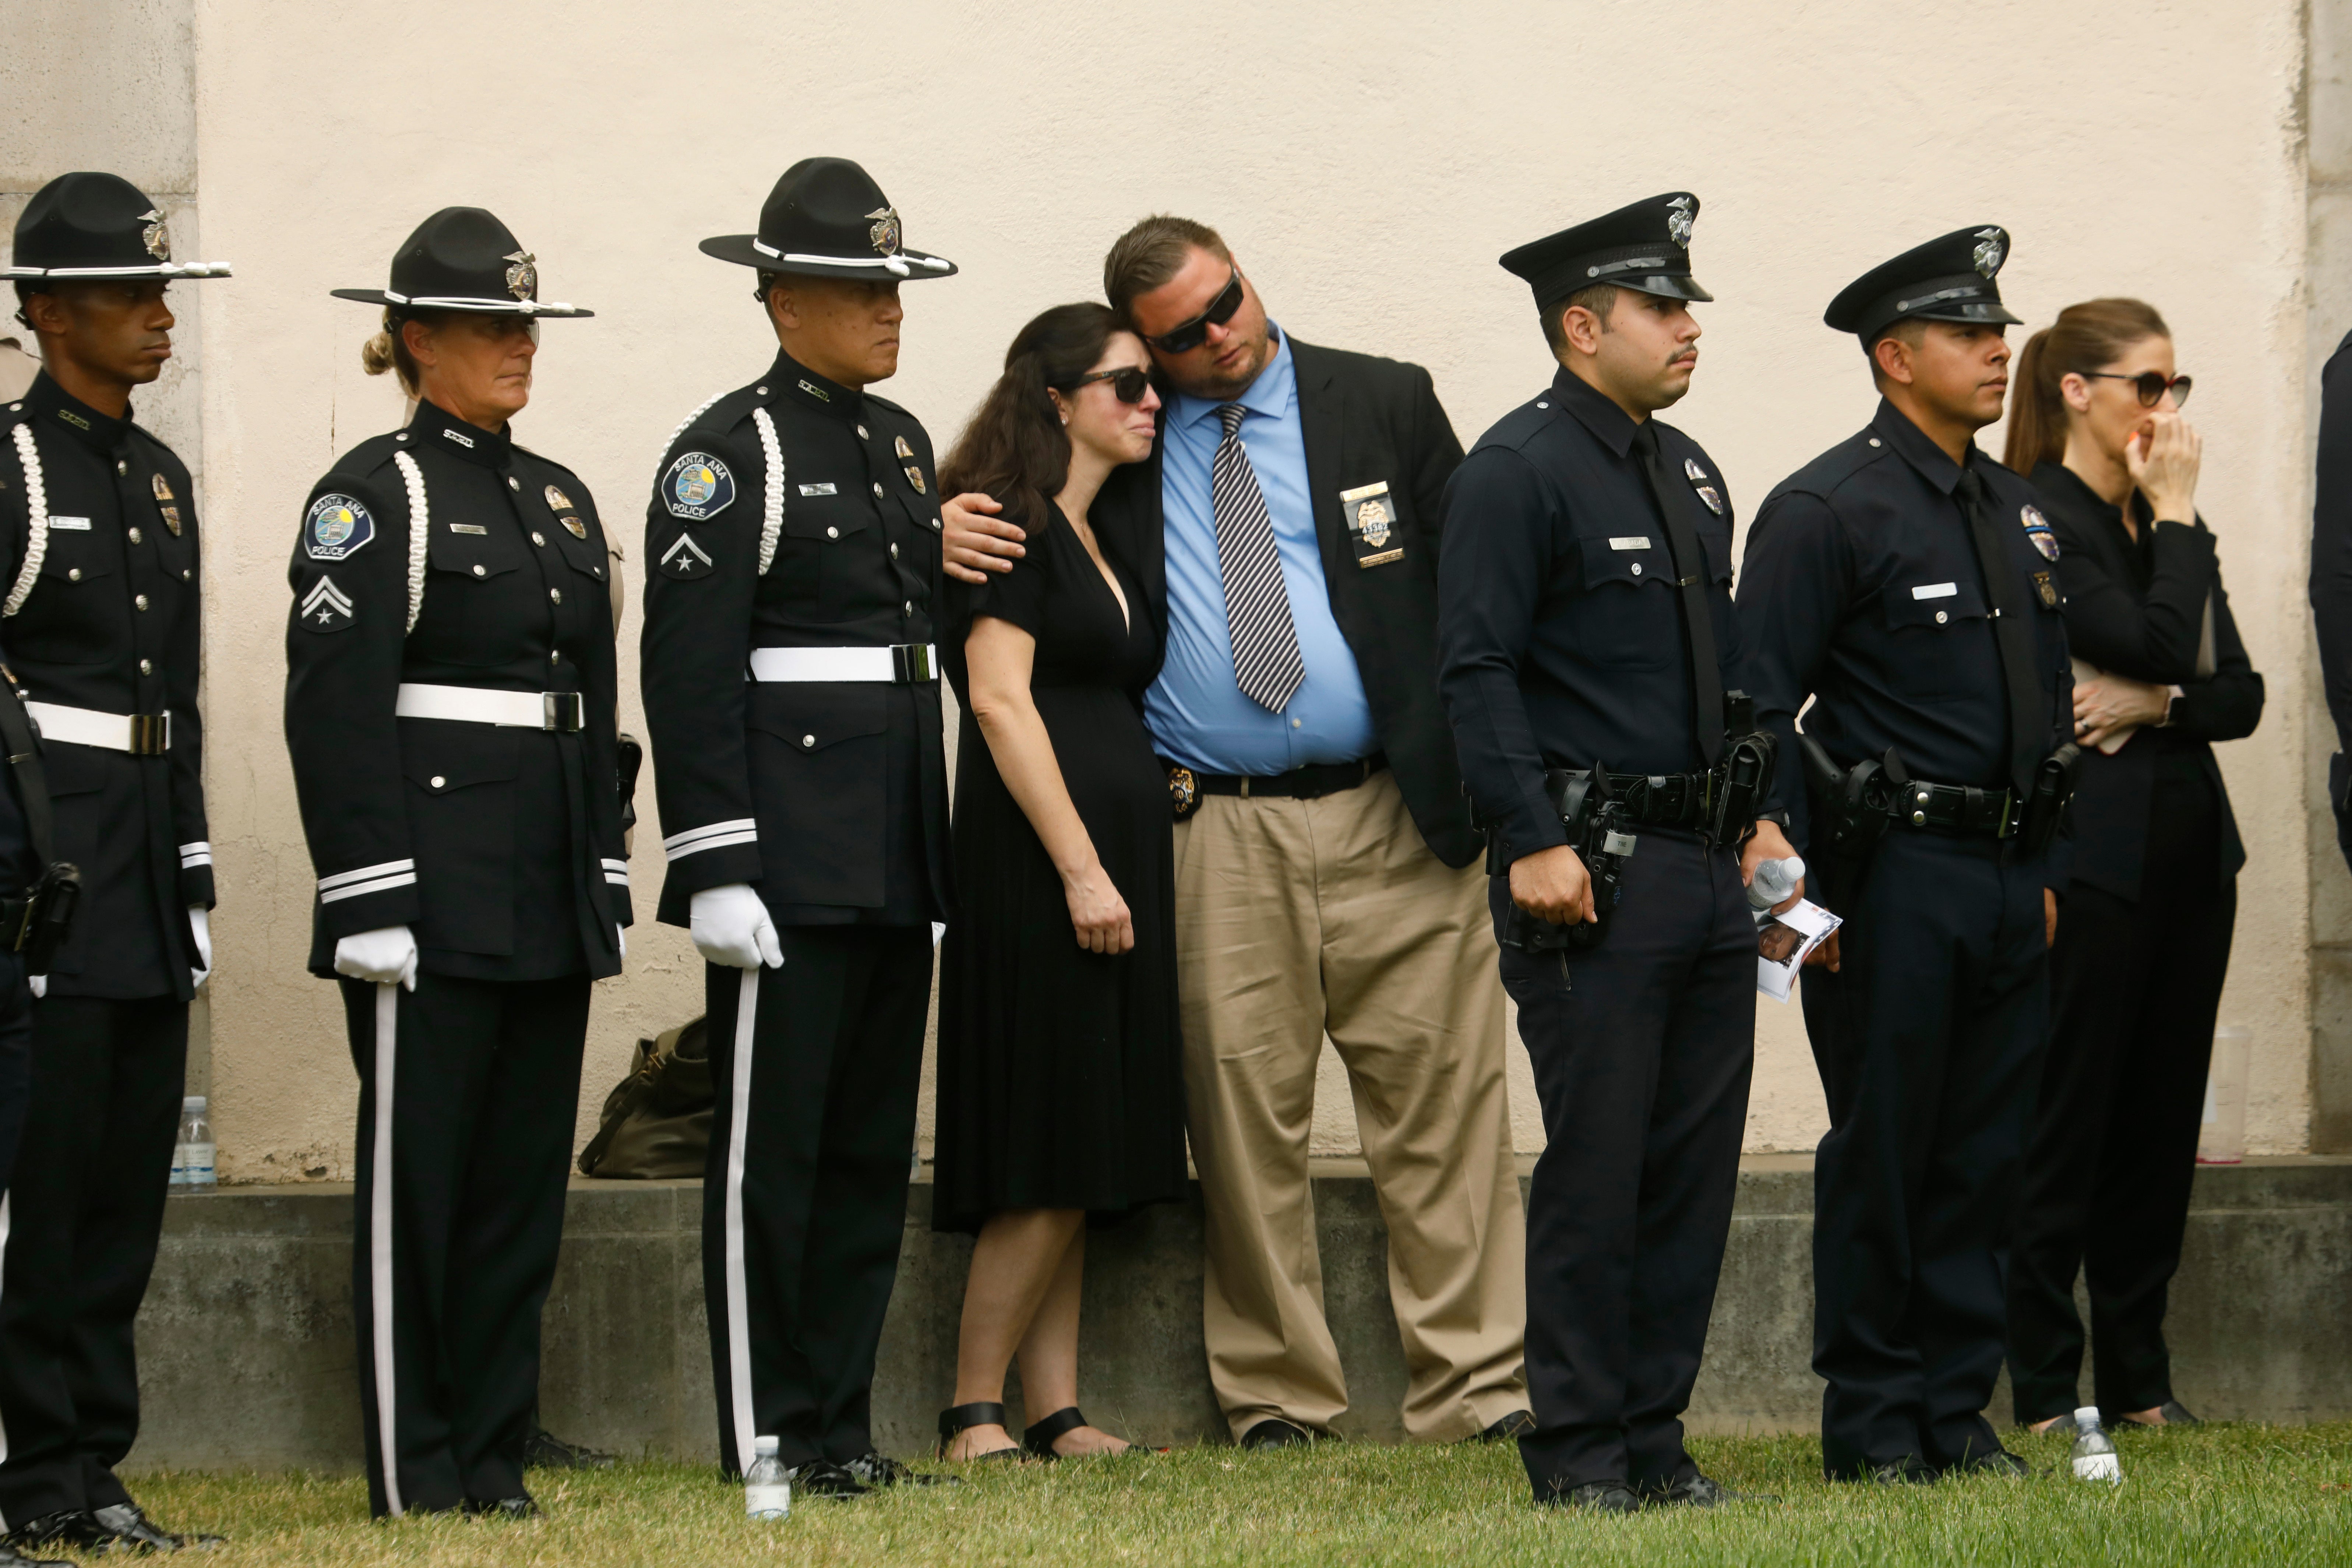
x,y
2094,1451
193,1156
767,1490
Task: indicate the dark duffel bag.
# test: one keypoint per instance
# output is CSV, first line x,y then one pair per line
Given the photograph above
x,y
657,1121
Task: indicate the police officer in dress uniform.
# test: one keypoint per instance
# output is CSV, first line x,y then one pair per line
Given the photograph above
x,y
449,709
792,561
1904,581
99,581
1586,629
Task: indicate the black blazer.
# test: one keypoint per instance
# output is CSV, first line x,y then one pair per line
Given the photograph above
x,y
1364,419
2148,635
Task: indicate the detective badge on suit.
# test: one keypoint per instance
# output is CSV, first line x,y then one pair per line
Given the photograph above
x,y
1372,527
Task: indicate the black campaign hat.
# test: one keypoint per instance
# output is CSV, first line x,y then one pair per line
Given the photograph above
x,y
1645,248
827,218
463,258
91,226
1947,280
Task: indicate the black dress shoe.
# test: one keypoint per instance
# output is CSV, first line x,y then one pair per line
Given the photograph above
x,y
71,1530
1698,1492
2000,1462
874,1469
1910,1470
544,1450
1517,1425
823,1478
2174,1413
1273,1432
1594,1497
518,1506
127,1527
11,1558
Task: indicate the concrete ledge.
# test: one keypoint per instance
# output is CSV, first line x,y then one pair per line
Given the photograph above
x,y
245,1342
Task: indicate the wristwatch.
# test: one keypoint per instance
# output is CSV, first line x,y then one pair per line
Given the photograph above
x,y
2170,707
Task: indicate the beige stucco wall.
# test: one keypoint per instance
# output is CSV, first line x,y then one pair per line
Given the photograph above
x,y
1366,174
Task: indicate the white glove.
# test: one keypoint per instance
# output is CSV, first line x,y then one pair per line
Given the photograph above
x,y
731,927
382,955
40,985
200,922
621,935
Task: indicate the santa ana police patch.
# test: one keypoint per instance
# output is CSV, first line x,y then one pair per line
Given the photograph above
x,y
698,485
337,527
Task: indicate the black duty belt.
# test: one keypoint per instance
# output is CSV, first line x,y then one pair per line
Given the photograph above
x,y
1961,809
1654,800
1185,787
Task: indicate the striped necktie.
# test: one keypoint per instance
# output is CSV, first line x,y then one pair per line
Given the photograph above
x,y
1266,665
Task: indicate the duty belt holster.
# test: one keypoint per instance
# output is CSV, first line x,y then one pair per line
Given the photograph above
x,y
1595,819
1852,808
36,925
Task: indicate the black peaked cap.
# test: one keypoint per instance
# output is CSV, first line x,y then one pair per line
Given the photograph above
x,y
1644,246
1947,280
827,218
94,225
464,259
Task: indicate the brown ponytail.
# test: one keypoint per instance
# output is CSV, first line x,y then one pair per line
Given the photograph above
x,y
2087,337
388,351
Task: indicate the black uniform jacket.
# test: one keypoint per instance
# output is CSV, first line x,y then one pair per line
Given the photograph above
x,y
1365,420
2331,548
1560,626
1861,589
2136,608
499,847
111,624
830,797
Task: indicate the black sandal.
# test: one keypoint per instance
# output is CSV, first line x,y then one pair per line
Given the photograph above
x,y
981,1413
1039,1434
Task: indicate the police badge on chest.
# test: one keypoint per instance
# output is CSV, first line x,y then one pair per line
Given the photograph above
x,y
1372,524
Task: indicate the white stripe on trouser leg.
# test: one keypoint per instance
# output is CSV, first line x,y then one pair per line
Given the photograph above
x,y
738,1303
380,1284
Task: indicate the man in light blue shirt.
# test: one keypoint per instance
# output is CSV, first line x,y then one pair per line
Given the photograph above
x,y
1286,536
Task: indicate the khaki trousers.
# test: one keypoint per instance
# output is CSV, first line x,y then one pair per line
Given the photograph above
x,y
1294,919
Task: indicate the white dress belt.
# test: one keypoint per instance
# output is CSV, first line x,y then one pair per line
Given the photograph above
x,y
140,735
475,705
903,664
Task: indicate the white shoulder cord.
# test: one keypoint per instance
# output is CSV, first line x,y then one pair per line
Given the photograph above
x,y
420,524
36,509
771,508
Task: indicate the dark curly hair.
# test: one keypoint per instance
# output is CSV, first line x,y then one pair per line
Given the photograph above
x,y
1015,448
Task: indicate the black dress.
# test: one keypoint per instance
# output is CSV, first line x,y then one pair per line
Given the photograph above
x,y
1060,1080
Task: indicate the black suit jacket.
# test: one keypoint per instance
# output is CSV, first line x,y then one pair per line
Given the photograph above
x,y
1365,420
2153,636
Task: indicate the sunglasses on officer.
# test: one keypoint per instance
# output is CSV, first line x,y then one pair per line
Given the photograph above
x,y
1186,336
1128,382
2149,385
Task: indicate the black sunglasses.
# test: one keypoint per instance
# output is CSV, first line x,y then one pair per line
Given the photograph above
x,y
1190,335
2150,386
1128,382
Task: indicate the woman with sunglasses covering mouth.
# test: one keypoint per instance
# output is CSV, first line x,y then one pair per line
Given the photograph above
x,y
1060,1087
2137,971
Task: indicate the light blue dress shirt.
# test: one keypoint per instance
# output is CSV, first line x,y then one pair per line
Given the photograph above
x,y
1196,714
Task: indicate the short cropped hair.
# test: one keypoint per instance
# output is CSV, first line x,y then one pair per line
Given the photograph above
x,y
1598,297
1152,252
1910,332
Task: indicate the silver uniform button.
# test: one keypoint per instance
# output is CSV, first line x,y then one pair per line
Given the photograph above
x,y
760,390
402,436
73,574
556,657
136,536
438,780
513,483
1874,440
1920,817
808,739
556,594
146,666
833,533
139,600
878,492
1941,617
122,467
894,552
1637,568
861,432
538,539
908,608
187,573
479,573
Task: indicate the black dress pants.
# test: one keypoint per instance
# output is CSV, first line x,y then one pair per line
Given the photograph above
x,y
1928,1041
16,1069
85,1209
468,1090
1642,1052
2135,988
804,1203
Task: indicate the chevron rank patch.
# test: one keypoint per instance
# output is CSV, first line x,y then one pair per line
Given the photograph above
x,y
326,608
698,485
686,558
337,526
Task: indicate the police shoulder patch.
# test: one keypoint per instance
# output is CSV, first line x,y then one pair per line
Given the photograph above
x,y
698,485
337,526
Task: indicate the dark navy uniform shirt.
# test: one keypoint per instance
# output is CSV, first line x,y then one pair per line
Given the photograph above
x,y
499,846
1861,589
1560,632
110,625
830,797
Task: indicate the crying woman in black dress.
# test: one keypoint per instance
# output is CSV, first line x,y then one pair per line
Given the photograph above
x,y
1060,1088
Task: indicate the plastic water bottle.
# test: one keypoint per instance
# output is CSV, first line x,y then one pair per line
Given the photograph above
x,y
193,1156
1774,881
767,1488
2094,1451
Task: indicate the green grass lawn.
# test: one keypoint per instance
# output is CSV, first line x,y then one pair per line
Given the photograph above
x,y
2265,1495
